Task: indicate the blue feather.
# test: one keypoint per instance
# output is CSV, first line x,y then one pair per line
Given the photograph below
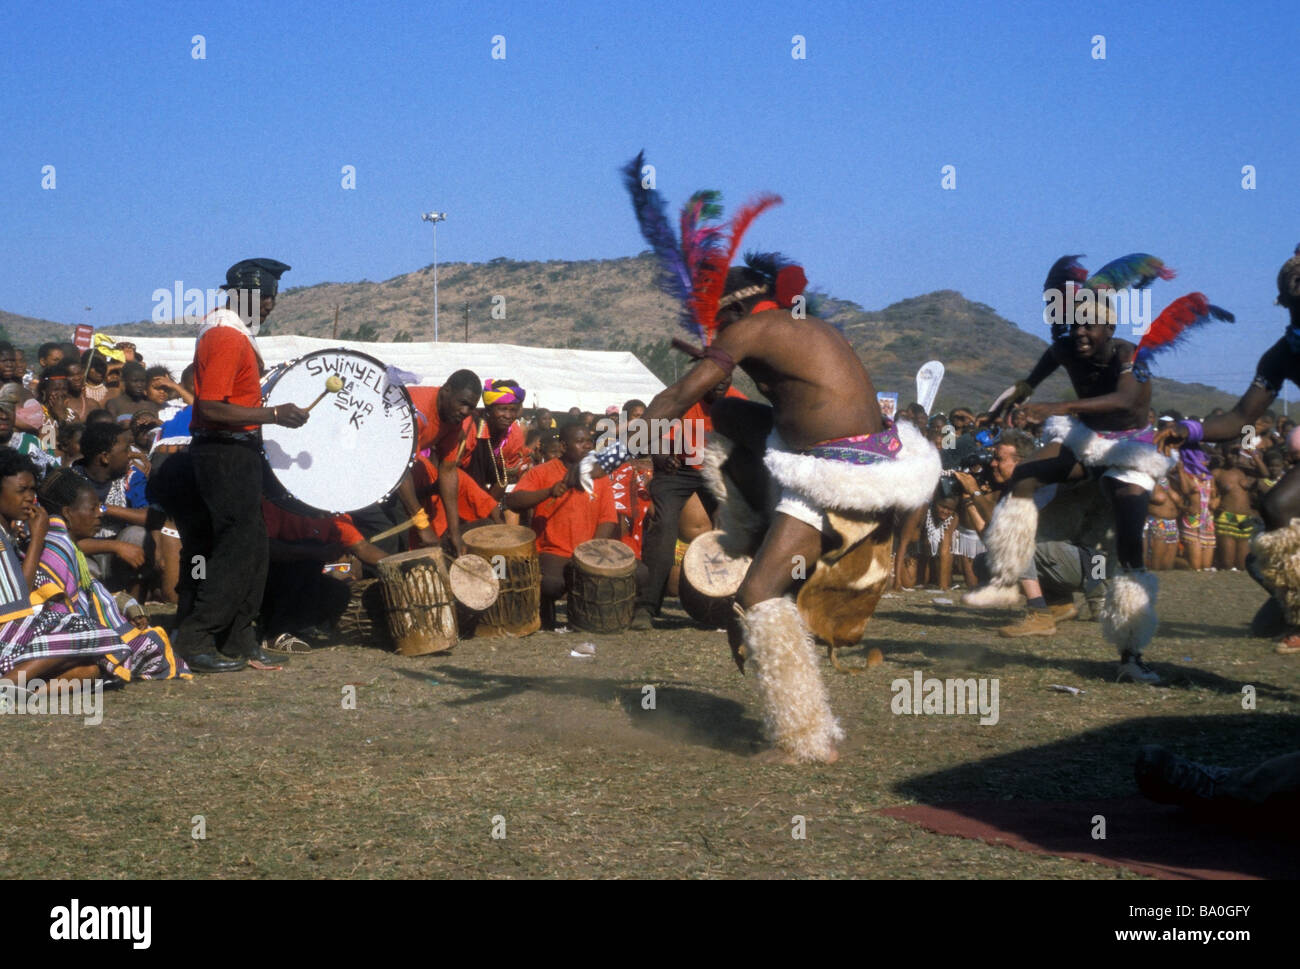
x,y
673,278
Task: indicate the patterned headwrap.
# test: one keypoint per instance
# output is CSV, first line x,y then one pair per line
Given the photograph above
x,y
502,392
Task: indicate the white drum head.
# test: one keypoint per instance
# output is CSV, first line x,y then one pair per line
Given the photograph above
x,y
357,444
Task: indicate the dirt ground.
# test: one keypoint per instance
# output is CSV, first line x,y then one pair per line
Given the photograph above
x,y
560,755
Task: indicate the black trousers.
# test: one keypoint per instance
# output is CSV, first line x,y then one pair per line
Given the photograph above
x,y
224,551
670,493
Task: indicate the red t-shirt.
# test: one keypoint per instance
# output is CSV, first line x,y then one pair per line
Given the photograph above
x,y
472,501
289,527
433,436
564,523
225,369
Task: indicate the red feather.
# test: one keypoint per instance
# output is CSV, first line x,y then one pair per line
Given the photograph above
x,y
711,280
1178,317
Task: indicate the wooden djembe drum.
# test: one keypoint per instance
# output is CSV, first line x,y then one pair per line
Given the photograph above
x,y
603,593
418,603
511,551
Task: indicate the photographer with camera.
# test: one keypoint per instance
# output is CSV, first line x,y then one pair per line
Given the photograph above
x,y
1058,568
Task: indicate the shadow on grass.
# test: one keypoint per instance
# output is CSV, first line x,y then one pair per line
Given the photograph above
x,y
683,714
1093,772
1036,654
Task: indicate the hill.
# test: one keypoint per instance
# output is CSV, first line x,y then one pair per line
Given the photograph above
x,y
613,305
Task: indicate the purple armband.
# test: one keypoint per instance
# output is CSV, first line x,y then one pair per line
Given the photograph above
x,y
1195,431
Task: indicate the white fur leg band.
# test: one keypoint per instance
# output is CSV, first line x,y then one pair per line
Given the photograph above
x,y
1128,616
796,710
1277,554
1010,541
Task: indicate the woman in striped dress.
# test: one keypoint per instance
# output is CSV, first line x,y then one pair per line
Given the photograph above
x,y
35,641
65,583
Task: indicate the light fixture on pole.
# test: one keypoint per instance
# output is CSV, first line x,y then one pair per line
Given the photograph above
x,y
435,218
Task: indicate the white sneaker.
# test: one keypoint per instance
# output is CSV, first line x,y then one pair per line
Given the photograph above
x,y
1132,668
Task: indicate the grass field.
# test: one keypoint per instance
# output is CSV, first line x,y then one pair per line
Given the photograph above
x,y
586,782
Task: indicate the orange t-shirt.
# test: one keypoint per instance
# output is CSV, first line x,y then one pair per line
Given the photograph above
x,y
225,369
564,523
433,436
472,501
289,527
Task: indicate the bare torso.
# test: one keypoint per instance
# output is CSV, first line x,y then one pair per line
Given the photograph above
x,y
1099,375
818,387
1235,486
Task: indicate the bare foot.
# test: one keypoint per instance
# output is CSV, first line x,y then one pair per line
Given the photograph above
x,y
874,658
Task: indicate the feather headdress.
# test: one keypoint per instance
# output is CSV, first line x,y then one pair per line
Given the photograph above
x,y
1137,269
1171,327
1066,270
693,270
673,278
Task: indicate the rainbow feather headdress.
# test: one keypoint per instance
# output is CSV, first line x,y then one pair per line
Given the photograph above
x,y
693,269
1137,270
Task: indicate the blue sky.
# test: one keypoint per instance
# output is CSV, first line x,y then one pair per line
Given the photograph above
x,y
170,168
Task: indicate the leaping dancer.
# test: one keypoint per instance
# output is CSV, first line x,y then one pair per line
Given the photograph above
x,y
1104,434
841,472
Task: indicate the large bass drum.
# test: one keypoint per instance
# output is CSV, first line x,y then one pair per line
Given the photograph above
x,y
356,446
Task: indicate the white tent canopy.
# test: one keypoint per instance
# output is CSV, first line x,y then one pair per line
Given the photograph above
x,y
555,379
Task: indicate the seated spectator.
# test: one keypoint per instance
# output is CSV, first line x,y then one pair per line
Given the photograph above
x,y
565,516
122,550
134,396
95,367
24,443
44,644
64,584
69,449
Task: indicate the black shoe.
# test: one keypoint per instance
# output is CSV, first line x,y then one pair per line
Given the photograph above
x,y
1169,779
210,661
257,654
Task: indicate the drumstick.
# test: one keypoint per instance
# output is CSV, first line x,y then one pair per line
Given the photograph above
x,y
332,386
390,532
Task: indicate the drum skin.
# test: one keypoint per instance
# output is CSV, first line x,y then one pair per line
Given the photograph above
x,y
418,603
355,447
511,550
709,581
603,592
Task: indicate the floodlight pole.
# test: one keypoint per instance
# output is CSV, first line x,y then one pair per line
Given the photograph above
x,y
435,218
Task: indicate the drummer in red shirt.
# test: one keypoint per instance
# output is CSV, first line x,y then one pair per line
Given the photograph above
x,y
221,523
564,515
475,506
446,435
